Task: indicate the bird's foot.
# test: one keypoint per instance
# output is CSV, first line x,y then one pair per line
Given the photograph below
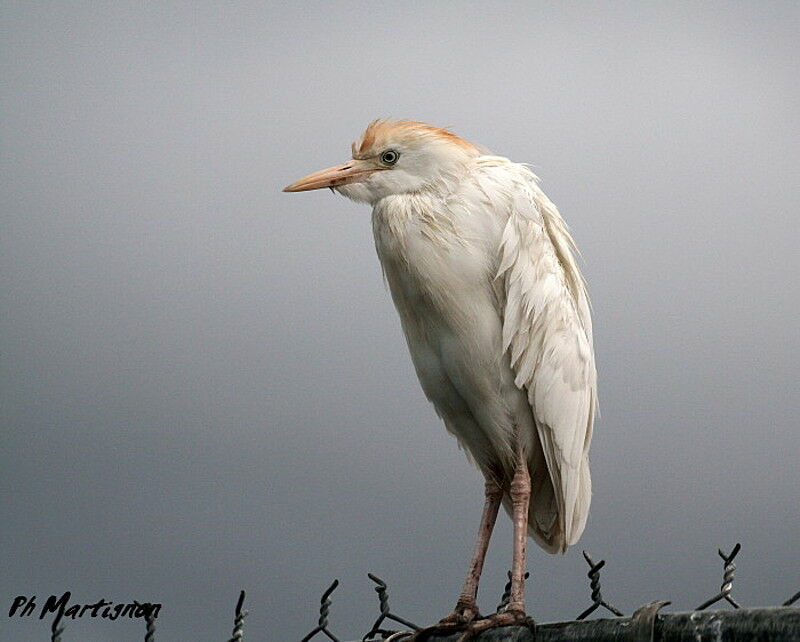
x,y
464,613
471,624
437,631
496,621
459,620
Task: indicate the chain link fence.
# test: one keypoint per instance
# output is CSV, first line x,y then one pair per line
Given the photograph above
x,y
774,624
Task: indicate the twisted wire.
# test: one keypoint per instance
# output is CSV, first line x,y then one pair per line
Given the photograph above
x,y
324,608
385,613
238,620
55,627
729,569
727,580
594,585
150,623
507,593
150,631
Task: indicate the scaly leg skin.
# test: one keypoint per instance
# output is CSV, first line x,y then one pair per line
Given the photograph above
x,y
514,614
466,609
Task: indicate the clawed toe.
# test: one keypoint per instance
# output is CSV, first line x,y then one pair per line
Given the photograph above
x,y
456,622
462,616
441,629
507,618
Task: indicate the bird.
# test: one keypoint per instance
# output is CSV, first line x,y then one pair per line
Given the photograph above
x,y
484,273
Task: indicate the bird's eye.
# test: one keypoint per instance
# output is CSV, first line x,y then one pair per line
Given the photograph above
x,y
389,157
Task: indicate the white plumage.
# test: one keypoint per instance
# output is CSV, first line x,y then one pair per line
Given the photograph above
x,y
496,317
481,268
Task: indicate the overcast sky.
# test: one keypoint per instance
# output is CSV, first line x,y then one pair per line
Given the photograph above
x,y
204,382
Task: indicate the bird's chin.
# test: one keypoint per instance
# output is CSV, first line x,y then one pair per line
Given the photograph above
x,y
359,192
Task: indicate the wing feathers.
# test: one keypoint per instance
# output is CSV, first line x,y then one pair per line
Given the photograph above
x,y
547,331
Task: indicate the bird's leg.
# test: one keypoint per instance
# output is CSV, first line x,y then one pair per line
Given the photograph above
x,y
520,500
466,607
520,491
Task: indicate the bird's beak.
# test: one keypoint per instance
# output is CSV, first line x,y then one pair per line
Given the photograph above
x,y
350,172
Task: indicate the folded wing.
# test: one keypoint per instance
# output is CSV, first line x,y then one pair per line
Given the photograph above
x,y
548,333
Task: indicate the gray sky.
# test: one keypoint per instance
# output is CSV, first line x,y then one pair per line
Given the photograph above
x,y
204,383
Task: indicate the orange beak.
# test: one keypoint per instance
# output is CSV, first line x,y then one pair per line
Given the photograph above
x,y
350,172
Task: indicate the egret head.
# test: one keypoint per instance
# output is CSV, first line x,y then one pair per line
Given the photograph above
x,y
393,157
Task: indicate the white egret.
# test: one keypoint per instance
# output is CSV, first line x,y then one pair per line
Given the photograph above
x,y
495,311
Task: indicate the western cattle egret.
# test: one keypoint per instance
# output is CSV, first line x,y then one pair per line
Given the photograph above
x,y
495,311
